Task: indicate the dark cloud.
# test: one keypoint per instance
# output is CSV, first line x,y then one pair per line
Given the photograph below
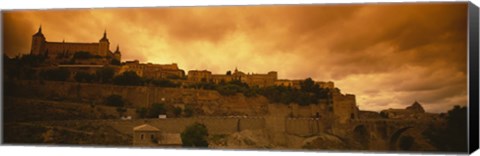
x,y
16,42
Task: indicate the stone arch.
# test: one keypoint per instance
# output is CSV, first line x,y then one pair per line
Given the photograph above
x,y
395,136
362,135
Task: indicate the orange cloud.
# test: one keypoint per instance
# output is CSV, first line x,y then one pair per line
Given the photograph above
x,y
387,54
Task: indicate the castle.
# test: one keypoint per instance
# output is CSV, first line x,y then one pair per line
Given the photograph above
x,y
253,79
74,53
90,56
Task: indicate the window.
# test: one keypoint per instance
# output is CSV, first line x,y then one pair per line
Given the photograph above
x,y
141,136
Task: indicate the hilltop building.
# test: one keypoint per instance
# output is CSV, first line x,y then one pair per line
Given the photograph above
x,y
153,71
147,135
253,79
414,111
74,52
260,80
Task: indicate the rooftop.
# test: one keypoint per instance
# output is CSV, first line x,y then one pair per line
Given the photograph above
x,y
145,127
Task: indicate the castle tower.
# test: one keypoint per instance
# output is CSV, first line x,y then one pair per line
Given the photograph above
x,y
117,55
104,45
38,43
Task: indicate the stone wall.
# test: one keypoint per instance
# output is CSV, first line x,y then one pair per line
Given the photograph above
x,y
138,96
215,125
344,107
303,127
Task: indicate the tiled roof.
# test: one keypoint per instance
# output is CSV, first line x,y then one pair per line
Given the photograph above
x,y
145,127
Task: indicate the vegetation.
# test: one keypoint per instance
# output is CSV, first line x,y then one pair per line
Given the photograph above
x,y
308,93
453,137
164,83
177,111
128,78
155,110
84,77
105,74
195,136
59,74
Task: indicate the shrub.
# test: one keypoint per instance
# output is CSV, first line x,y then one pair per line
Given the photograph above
x,y
59,74
84,77
177,111
164,83
128,78
155,110
228,90
195,136
105,74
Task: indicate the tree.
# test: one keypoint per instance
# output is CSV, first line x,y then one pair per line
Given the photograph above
x,y
195,136
141,112
155,110
128,78
115,100
307,85
105,74
177,111
229,72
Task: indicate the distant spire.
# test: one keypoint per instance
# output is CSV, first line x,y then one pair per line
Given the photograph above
x,y
104,38
39,33
118,48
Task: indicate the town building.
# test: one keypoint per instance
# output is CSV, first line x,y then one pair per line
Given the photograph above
x,y
147,135
153,71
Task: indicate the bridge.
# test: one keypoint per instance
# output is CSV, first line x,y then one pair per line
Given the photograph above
x,y
396,134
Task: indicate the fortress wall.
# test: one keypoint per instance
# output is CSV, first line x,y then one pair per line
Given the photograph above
x,y
211,102
303,126
136,95
344,107
219,125
251,123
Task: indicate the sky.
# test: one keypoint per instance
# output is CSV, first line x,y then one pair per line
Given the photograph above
x,y
388,55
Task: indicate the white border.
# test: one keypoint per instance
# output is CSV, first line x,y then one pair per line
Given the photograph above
x,y
50,4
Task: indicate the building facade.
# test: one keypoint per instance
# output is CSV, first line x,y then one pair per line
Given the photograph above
x,y
63,52
153,71
260,80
